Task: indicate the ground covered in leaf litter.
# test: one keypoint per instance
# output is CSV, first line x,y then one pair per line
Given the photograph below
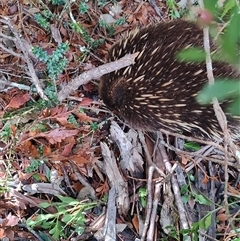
x,y
61,178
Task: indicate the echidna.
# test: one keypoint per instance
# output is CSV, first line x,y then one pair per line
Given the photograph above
x,y
158,91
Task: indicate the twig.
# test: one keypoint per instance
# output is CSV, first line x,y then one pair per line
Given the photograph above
x,y
221,162
95,74
176,191
156,197
156,9
13,84
32,72
149,202
221,117
11,52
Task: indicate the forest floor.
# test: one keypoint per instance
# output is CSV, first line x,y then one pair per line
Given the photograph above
x,y
63,175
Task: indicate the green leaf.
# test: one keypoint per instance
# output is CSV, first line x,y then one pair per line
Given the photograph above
x,y
184,189
79,230
46,224
80,220
234,107
67,217
44,205
192,146
57,231
192,177
185,199
201,199
210,5
206,221
83,7
191,54
222,89
32,223
142,192
230,4
68,200
229,40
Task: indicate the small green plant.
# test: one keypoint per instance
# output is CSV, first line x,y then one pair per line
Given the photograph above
x,y
188,193
72,120
3,186
44,18
101,3
94,126
58,2
111,27
204,223
34,165
70,215
5,133
83,7
56,62
143,196
50,92
192,146
172,5
91,43
39,127
173,233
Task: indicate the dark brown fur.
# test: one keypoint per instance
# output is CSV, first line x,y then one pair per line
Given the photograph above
x,y
158,91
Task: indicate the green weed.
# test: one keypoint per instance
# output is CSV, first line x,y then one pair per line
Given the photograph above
x,y
70,215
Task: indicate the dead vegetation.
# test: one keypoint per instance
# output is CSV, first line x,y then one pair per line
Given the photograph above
x,y
68,171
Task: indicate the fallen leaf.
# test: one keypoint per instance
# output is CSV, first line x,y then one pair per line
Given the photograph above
x,y
222,217
12,220
18,101
57,135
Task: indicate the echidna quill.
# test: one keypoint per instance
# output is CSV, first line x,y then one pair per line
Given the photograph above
x,y
158,91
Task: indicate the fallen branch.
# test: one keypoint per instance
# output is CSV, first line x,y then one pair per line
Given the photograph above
x,y
18,42
96,73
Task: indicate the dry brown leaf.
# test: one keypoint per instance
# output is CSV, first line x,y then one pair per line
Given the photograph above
x,y
11,220
57,135
83,117
135,222
205,179
68,148
222,217
28,148
18,101
233,191
79,160
2,233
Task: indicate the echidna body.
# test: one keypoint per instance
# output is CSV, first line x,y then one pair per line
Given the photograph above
x,y
158,91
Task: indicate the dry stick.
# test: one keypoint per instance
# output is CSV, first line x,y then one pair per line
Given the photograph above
x,y
218,161
32,72
149,202
175,187
218,111
221,117
156,9
95,74
10,51
149,186
148,156
156,197
151,206
192,139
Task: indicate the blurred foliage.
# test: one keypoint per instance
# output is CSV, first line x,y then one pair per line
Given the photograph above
x,y
229,52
